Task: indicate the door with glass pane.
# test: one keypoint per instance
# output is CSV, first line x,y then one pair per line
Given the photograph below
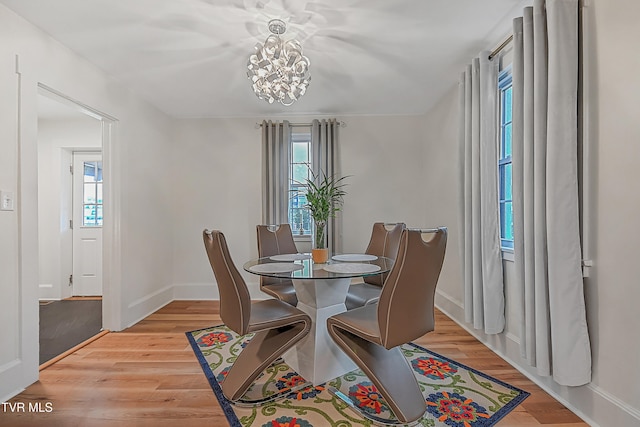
x,y
87,224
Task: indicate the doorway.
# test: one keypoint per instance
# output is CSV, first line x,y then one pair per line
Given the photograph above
x,y
69,241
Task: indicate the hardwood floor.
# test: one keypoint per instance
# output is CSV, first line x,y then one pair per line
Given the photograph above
x,y
147,375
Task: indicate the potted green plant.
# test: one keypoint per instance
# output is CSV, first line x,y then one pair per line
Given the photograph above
x,y
324,198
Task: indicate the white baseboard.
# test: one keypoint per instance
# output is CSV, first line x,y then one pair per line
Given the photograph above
x,y
143,307
594,405
209,291
195,291
622,414
47,291
12,373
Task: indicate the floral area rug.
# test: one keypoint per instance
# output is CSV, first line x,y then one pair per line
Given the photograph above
x,y
456,395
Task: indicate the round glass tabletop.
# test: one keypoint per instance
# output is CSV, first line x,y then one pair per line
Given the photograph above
x,y
303,267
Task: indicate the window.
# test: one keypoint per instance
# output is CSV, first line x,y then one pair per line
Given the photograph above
x,y
92,195
300,171
504,162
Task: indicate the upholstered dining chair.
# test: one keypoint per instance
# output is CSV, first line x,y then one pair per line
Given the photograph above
x,y
371,335
384,241
277,240
277,325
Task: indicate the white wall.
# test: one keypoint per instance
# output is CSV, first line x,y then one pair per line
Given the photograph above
x,y
217,184
384,156
138,158
612,291
56,140
12,373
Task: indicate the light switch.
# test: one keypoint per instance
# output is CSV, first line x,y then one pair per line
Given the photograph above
x,y
6,200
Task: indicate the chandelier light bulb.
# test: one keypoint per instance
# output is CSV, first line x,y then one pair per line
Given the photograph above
x,y
278,70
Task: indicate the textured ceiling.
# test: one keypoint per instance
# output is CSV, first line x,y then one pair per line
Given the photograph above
x,y
368,57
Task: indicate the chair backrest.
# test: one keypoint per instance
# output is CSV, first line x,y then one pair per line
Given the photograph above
x,y
384,241
405,308
235,300
274,240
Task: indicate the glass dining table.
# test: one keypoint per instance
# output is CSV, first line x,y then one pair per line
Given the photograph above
x,y
321,290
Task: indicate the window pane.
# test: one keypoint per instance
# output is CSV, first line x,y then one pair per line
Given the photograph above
x,y
300,173
99,174
507,141
507,104
89,195
501,181
99,216
507,182
99,194
502,222
297,200
89,215
299,217
300,152
295,219
306,221
89,171
508,223
502,219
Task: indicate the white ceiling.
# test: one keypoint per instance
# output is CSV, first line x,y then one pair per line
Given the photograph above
x,y
368,57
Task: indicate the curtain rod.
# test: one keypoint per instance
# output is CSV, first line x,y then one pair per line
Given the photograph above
x,y
340,123
581,5
502,46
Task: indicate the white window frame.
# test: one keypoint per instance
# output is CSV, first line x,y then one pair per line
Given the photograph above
x,y
299,134
504,83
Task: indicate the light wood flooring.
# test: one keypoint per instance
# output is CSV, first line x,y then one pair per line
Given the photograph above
x,y
147,375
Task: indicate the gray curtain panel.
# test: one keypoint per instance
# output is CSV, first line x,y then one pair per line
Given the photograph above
x,y
276,153
482,258
547,254
325,155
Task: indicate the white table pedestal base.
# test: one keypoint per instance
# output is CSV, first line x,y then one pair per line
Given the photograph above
x,y
316,357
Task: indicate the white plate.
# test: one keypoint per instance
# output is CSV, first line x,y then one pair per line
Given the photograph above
x,y
290,257
354,257
275,267
352,268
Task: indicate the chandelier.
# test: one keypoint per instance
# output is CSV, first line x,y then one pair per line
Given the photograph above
x,y
278,70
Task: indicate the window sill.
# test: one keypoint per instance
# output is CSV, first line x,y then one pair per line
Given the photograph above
x,y
302,238
507,255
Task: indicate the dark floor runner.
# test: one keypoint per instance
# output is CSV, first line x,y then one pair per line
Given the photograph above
x,y
65,324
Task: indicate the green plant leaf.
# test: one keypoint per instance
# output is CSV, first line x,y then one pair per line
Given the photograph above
x,y
325,196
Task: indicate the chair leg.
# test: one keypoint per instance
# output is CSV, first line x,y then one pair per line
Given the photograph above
x,y
388,370
265,347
